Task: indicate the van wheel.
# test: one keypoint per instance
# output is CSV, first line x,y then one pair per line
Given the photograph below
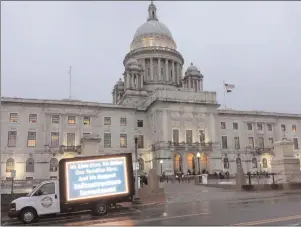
x,y
28,215
100,209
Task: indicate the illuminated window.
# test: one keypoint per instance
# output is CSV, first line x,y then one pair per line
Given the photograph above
x,y
107,139
13,117
86,120
55,119
270,127
235,125
140,142
30,165
12,139
55,139
70,139
264,163
33,118
123,121
224,142
107,121
31,139
189,136
53,165
250,126
296,145
71,120
259,126
140,123
123,140
283,128
202,136
236,142
294,128
223,125
10,165
251,142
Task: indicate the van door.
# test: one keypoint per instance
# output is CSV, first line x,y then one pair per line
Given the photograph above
x,y
46,199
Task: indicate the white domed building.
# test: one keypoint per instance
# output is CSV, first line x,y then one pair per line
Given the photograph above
x,y
178,124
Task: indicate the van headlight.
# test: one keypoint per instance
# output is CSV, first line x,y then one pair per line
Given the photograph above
x,y
12,206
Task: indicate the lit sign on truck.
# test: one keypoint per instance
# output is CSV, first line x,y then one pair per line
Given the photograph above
x,y
96,178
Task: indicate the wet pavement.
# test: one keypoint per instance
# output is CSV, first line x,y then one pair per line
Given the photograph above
x,y
201,208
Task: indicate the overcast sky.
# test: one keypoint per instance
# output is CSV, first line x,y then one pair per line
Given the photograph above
x,y
254,45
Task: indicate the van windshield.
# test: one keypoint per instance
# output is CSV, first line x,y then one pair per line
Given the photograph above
x,y
33,190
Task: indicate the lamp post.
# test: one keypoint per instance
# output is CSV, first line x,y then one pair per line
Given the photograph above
x,y
136,196
198,156
161,163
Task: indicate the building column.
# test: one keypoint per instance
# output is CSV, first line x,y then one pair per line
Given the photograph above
x,y
143,67
159,70
141,80
173,72
189,82
201,85
213,138
166,70
128,80
151,69
178,73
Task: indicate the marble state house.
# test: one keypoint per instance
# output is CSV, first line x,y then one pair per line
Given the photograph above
x,y
168,110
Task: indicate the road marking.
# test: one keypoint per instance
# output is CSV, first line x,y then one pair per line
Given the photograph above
x,y
155,219
269,220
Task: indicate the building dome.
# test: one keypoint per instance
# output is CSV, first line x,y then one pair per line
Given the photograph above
x,y
192,68
133,64
120,82
153,33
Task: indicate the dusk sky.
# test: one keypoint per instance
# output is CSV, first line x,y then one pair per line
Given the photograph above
x,y
254,45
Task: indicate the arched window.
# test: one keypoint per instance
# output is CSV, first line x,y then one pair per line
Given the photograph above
x,y
30,165
141,164
53,165
10,165
226,163
264,163
254,163
238,163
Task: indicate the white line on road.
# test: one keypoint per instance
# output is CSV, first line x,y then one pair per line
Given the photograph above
x,y
154,219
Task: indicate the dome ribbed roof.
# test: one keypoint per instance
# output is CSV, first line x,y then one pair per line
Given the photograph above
x,y
153,27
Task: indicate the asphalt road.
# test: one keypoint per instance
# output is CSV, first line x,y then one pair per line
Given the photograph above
x,y
283,210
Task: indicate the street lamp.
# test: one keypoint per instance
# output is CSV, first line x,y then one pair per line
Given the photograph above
x,y
161,162
136,196
199,169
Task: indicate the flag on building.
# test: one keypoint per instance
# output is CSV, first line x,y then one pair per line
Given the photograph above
x,y
229,87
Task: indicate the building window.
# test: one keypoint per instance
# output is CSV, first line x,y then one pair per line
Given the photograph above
x,y
123,121
107,120
70,139
12,139
261,142
224,142
259,126
254,163
107,139
53,165
175,136
294,128
238,162
123,140
235,125
33,118
86,120
86,135
264,163
296,145
140,123
71,120
250,126
270,127
55,119
271,141
30,165
55,139
236,142
10,165
141,164
226,163
251,142
31,139
13,117
223,125
140,141
202,136
283,128
189,136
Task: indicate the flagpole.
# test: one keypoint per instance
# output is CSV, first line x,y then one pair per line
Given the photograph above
x,y
224,94
69,82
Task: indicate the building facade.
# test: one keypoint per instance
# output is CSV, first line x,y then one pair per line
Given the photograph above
x,y
179,126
